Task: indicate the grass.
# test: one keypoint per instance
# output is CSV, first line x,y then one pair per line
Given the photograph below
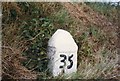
x,y
102,67
29,35
105,9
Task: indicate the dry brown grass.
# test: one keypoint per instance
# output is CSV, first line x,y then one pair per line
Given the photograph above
x,y
87,16
12,48
103,67
12,67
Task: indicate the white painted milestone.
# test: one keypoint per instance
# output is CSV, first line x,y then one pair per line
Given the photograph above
x,y
62,52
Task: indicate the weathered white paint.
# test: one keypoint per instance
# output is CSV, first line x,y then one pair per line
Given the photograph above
x,y
62,52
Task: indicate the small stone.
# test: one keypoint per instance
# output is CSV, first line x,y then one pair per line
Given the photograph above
x,y
62,52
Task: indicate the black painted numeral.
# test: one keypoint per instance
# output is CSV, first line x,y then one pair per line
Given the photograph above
x,y
71,62
64,59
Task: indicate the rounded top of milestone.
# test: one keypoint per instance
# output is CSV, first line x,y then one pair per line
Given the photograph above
x,y
62,38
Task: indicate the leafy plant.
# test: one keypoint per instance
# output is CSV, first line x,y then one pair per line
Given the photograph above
x,y
37,31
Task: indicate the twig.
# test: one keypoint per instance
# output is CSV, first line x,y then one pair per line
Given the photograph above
x,y
35,36
7,47
9,75
28,62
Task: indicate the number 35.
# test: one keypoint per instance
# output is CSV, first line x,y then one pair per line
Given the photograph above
x,y
65,58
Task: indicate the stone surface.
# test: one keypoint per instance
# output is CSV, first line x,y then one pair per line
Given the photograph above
x,y
62,52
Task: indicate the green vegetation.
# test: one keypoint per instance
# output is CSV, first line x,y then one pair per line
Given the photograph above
x,y
105,9
28,27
